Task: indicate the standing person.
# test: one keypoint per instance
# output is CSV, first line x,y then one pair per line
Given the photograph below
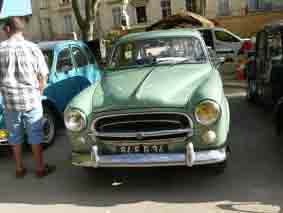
x,y
23,74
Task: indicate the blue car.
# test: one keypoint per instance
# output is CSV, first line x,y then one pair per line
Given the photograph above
x,y
72,68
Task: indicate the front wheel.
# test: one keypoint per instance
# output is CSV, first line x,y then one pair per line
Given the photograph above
x,y
49,127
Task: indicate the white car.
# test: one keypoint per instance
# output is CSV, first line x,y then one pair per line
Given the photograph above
x,y
222,41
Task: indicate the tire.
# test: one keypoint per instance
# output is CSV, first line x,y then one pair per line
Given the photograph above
x,y
219,168
49,127
265,96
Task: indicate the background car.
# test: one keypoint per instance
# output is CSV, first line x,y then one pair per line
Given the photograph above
x,y
224,42
159,103
265,78
72,68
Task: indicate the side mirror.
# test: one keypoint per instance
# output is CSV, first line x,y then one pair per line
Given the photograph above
x,y
219,61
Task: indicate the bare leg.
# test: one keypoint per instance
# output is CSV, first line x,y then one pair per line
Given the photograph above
x,y
38,156
17,151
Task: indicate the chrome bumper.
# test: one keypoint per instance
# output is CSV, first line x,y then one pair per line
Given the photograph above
x,y
190,158
4,142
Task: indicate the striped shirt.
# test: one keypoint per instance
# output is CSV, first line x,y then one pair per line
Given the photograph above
x,y
21,62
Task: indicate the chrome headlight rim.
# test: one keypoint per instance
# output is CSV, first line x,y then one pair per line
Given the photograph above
x,y
217,107
83,116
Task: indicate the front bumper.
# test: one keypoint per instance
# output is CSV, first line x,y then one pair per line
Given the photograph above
x,y
189,158
3,137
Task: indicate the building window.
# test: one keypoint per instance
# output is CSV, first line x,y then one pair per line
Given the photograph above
x,y
117,16
141,14
43,4
68,26
65,1
190,5
224,8
166,8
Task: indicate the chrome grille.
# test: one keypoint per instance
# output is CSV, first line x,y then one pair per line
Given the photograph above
x,y
143,127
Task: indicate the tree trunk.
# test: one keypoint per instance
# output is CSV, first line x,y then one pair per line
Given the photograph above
x,y
86,23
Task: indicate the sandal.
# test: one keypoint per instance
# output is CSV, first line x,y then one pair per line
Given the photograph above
x,y
21,173
48,169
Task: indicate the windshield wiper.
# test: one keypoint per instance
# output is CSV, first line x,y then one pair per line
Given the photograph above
x,y
191,61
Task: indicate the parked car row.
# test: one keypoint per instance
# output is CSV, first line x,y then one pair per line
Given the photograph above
x,y
159,102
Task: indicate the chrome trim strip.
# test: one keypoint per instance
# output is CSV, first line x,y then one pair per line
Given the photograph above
x,y
190,158
147,113
143,134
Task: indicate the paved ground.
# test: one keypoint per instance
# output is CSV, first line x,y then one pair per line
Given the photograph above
x,y
253,182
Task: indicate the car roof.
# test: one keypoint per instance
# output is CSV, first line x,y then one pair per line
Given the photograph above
x,y
49,45
160,33
274,26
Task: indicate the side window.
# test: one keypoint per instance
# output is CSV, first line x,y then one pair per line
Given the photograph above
x,y
208,38
80,57
90,55
64,61
225,37
48,55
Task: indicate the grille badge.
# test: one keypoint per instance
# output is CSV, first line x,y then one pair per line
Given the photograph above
x,y
139,136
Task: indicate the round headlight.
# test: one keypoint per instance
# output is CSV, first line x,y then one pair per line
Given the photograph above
x,y
75,120
207,112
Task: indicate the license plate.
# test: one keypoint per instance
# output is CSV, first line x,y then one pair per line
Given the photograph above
x,y
142,149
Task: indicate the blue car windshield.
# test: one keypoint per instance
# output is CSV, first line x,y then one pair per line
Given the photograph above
x,y
158,51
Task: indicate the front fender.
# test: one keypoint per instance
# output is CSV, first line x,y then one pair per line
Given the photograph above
x,y
212,89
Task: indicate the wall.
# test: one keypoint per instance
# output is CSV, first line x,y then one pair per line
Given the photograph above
x,y
248,25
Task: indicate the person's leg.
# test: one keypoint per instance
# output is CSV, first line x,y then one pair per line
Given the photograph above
x,y
14,125
33,125
17,151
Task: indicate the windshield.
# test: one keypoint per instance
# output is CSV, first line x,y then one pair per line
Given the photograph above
x,y
158,51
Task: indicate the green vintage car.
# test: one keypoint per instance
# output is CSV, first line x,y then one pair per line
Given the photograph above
x,y
159,103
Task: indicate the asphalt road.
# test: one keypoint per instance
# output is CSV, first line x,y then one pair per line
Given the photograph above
x,y
252,183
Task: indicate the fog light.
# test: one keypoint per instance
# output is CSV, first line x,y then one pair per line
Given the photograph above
x,y
209,137
4,134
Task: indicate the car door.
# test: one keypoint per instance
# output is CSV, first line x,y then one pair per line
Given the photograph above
x,y
61,85
86,68
226,43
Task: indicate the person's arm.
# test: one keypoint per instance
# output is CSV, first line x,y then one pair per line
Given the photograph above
x,y
42,82
42,72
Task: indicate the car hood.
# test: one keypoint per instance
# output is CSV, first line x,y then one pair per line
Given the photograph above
x,y
160,86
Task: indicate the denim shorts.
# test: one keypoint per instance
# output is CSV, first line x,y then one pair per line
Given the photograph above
x,y
20,123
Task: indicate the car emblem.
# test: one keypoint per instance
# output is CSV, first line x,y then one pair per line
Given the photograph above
x,y
139,136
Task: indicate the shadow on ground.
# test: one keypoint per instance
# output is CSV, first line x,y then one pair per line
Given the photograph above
x,y
254,174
